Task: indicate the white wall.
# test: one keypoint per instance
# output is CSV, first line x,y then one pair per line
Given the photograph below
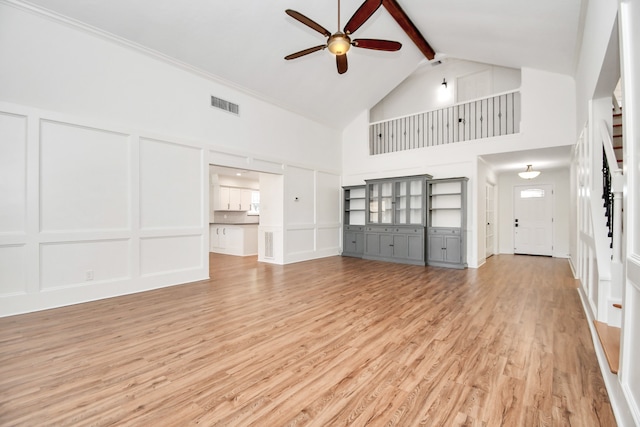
x,y
421,91
312,213
61,68
559,179
104,153
548,117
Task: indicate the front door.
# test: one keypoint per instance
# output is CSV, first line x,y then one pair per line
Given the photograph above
x,y
533,219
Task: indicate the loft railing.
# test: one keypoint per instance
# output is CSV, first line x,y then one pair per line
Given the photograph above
x,y
482,118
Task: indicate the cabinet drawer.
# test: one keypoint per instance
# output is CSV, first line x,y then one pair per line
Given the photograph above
x,y
354,228
449,231
395,230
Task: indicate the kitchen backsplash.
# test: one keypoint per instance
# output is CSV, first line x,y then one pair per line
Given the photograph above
x,y
225,217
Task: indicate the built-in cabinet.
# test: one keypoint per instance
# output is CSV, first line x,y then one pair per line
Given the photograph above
x,y
354,220
395,219
446,224
231,198
412,220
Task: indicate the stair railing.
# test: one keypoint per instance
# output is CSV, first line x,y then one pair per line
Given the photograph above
x,y
613,185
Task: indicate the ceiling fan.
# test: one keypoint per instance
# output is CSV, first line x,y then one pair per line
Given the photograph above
x,y
339,42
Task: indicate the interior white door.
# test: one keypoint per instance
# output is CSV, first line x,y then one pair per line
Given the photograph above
x,y
533,219
490,217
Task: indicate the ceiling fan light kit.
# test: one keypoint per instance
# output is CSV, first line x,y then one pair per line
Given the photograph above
x,y
339,42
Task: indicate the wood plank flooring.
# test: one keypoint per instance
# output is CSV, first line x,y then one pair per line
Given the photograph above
x,y
331,342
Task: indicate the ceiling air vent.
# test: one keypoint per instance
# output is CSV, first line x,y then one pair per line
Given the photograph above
x,y
225,105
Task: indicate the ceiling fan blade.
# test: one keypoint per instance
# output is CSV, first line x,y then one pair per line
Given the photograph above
x,y
341,62
361,15
305,52
409,27
375,44
308,22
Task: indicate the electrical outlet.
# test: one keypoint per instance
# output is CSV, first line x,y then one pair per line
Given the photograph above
x,y
88,275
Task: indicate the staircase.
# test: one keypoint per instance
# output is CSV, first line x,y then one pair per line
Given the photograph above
x,y
617,136
610,335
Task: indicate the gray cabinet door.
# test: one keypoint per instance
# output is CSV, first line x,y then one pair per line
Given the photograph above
x,y
386,245
453,249
360,243
353,242
436,245
396,244
372,244
415,247
400,247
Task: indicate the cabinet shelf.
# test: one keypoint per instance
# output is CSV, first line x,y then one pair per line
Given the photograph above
x,y
446,208
354,211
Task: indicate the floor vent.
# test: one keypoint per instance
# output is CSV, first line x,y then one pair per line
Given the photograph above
x,y
268,244
225,105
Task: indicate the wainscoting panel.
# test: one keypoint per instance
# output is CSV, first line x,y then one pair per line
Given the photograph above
x,y
328,238
84,178
171,185
630,369
91,210
328,197
299,199
13,270
75,264
13,173
160,255
300,240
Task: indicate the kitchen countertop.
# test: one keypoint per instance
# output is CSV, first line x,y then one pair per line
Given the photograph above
x,y
233,223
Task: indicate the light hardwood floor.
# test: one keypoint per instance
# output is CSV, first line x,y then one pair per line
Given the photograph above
x,y
331,342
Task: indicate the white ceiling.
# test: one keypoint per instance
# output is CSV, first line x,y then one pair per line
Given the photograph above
x,y
244,42
541,159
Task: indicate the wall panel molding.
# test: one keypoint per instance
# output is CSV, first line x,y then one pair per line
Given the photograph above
x,y
79,196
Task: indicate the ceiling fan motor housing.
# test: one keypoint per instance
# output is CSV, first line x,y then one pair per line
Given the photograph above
x,y
339,43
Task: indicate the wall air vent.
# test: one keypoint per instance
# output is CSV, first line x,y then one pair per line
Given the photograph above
x,y
268,244
225,105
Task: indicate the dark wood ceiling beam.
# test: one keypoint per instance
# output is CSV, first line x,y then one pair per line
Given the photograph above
x,y
409,27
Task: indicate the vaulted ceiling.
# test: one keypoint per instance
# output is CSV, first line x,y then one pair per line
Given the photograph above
x,y
244,43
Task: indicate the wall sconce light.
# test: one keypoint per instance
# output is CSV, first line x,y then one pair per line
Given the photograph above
x,y
443,92
529,173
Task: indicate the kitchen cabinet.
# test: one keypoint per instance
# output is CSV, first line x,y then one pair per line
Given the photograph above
x,y
231,198
217,238
234,239
447,218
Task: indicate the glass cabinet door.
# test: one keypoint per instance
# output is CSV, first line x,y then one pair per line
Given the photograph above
x,y
386,203
380,210
374,204
401,204
399,201
409,202
416,201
